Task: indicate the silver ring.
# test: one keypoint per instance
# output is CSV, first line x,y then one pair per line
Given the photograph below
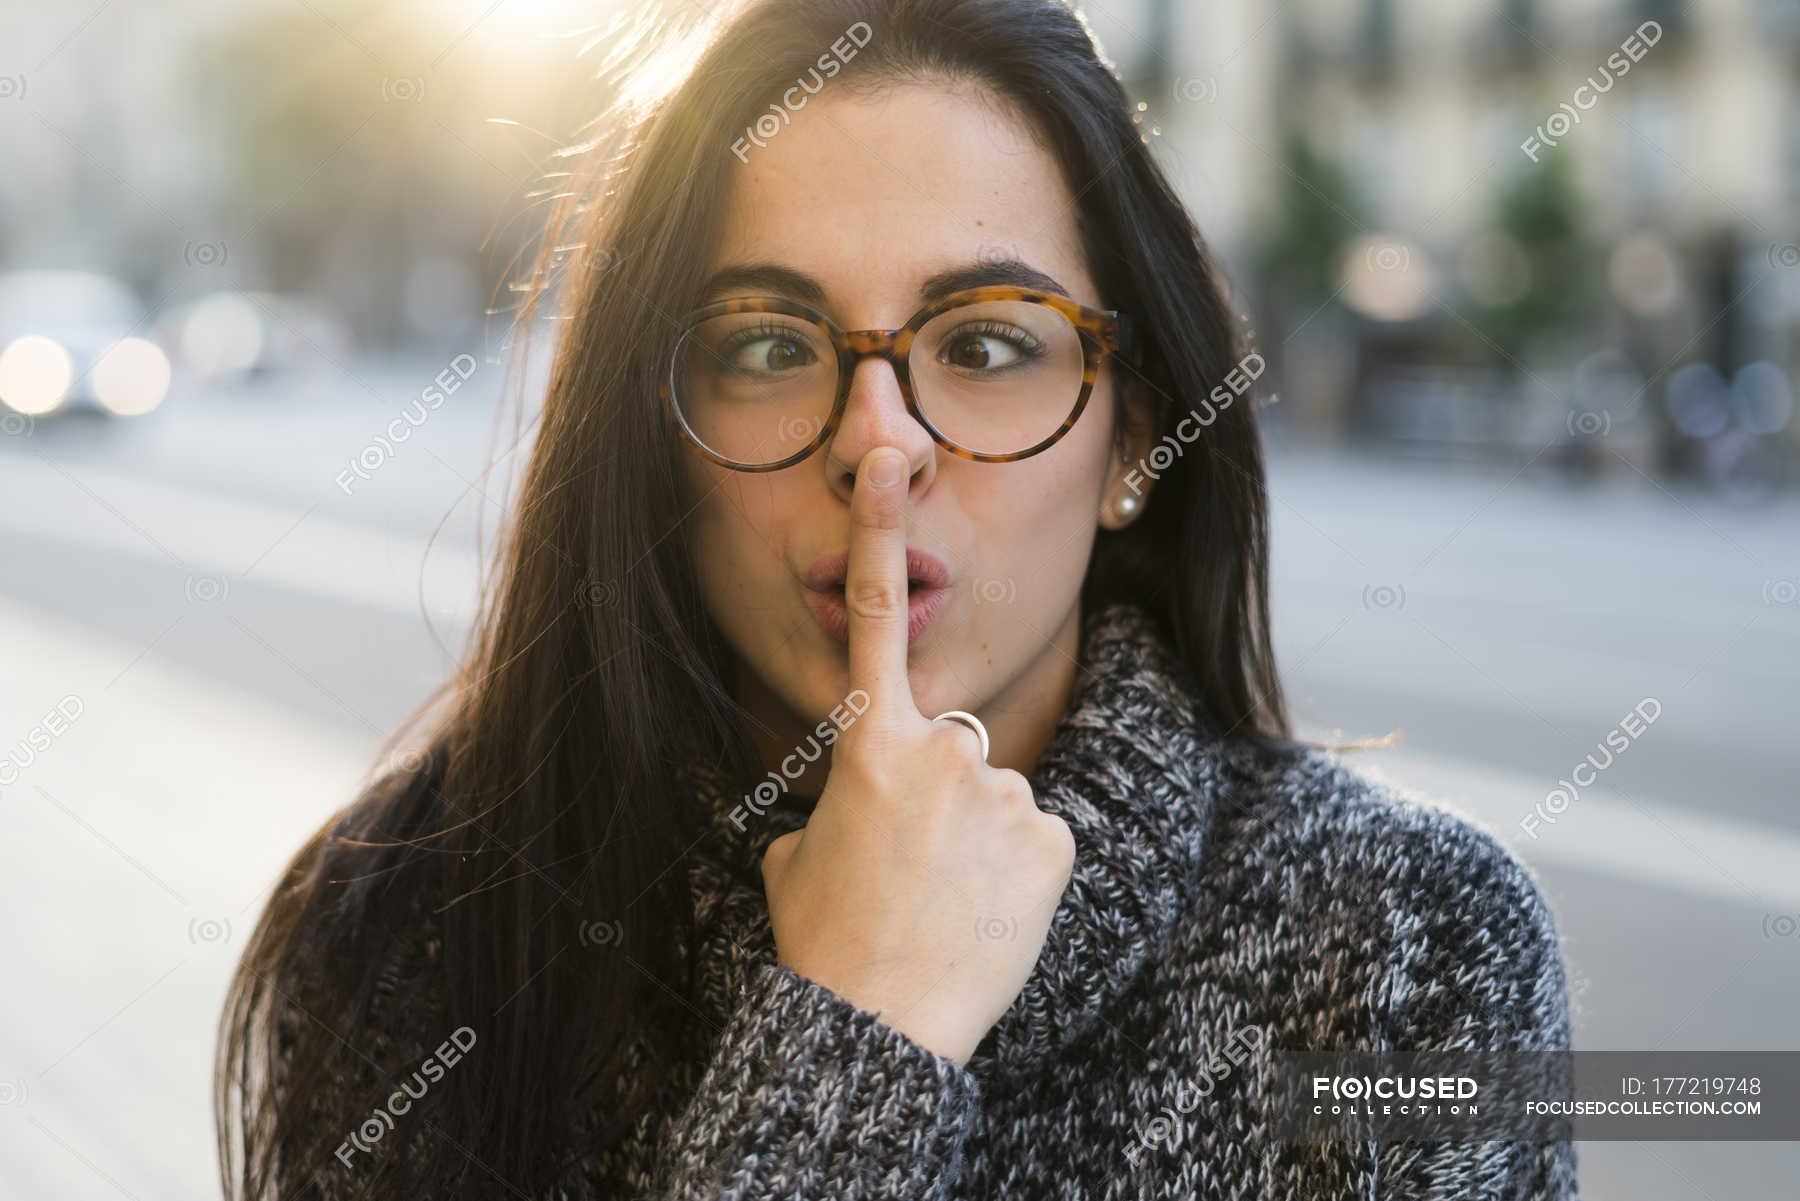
x,y
973,722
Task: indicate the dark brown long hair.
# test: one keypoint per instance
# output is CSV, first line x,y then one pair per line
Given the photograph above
x,y
542,801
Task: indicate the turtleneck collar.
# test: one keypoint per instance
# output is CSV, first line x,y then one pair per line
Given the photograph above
x,y
1132,767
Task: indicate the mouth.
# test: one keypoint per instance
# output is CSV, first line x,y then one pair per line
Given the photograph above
x,y
927,590
925,572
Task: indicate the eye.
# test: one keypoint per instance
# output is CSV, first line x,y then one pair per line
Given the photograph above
x,y
989,346
767,347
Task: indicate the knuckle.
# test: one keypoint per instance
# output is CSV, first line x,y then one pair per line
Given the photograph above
x,y
953,741
864,747
1059,840
1015,784
1014,790
874,599
778,852
875,514
884,723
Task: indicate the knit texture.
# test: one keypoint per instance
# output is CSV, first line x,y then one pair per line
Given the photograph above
x,y
1223,895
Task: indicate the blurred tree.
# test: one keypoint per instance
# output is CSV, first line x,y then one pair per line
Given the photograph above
x,y
1297,254
1316,215
359,147
1539,211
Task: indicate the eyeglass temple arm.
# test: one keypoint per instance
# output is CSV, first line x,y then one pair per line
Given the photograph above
x,y
1125,336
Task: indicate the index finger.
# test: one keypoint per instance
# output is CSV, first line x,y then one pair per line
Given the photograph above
x,y
875,583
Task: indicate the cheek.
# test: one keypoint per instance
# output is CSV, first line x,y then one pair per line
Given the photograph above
x,y
1034,520
734,530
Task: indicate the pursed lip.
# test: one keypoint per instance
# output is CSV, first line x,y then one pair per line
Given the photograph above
x,y
924,569
928,591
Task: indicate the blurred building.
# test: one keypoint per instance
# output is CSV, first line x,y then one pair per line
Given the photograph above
x,y
110,151
369,157
1483,211
1457,225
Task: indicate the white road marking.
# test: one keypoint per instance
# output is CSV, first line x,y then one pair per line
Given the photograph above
x,y
1702,854
211,534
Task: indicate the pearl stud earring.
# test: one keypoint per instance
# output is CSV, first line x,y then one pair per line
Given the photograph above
x,y
1126,505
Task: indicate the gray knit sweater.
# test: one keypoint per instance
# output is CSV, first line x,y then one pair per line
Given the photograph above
x,y
1221,894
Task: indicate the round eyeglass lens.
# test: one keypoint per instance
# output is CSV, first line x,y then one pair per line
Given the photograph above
x,y
755,387
997,377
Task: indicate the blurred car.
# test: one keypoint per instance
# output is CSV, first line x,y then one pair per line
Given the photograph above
x,y
234,336
72,340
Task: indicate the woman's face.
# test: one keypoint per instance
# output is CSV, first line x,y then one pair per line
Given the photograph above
x,y
869,197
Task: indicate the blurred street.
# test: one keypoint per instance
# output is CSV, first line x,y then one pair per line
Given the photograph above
x,y
227,632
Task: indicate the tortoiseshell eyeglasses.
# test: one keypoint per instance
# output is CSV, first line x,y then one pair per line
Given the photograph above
x,y
994,374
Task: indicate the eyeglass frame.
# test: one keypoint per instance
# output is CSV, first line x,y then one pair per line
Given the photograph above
x,y
1103,332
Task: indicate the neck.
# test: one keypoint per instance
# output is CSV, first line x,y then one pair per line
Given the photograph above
x,y
1020,718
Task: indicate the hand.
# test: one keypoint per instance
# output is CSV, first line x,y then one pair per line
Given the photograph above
x,y
924,882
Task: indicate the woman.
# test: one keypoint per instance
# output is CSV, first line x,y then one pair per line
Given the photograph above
x,y
896,383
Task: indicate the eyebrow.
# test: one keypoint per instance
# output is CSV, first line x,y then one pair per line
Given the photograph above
x,y
773,278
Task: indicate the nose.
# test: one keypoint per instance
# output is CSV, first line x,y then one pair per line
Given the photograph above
x,y
875,415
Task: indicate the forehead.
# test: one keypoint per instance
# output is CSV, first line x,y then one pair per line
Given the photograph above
x,y
871,194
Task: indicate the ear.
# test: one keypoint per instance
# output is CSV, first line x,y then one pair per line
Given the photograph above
x,y
1128,485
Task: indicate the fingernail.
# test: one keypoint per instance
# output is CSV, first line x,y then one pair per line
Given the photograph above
x,y
884,471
